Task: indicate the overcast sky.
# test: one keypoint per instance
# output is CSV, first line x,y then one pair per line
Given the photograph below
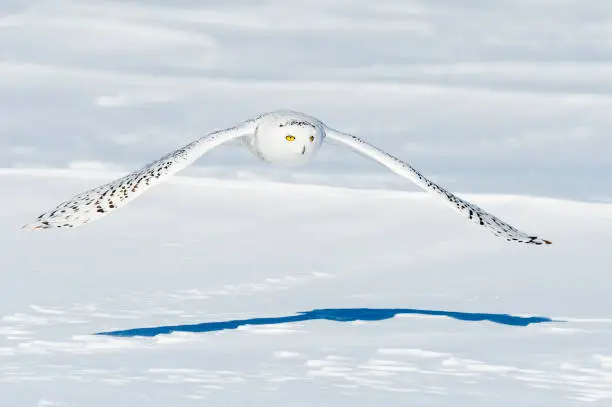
x,y
508,96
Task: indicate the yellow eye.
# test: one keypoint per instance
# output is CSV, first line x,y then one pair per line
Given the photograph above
x,y
290,137
311,139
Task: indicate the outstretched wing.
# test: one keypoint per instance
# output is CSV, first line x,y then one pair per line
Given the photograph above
x,y
98,202
473,212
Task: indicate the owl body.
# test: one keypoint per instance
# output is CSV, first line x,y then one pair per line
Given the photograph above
x,y
282,137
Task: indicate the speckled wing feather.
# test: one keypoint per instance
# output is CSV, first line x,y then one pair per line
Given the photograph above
x,y
100,201
473,212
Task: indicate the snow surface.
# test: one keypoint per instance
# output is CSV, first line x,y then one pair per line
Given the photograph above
x,y
199,251
275,291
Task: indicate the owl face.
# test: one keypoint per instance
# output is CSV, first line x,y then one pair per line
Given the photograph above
x,y
289,140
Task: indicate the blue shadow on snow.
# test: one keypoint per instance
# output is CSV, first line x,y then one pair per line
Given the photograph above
x,y
332,314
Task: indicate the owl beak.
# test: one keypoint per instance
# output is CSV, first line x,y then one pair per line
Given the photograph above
x,y
303,150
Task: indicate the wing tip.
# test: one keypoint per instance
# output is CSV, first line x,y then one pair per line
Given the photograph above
x,y
45,224
32,226
538,240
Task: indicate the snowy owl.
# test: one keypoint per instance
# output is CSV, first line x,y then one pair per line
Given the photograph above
x,y
281,137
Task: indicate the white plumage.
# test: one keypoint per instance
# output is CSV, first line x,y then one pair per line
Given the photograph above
x,y
282,137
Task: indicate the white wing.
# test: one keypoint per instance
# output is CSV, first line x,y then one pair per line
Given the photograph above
x,y
473,212
98,202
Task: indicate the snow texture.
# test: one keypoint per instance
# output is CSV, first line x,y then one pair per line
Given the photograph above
x,y
336,284
408,302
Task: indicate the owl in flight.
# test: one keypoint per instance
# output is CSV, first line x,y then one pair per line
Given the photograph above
x,y
282,137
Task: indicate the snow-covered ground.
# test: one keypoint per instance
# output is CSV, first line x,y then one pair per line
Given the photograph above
x,y
206,251
336,284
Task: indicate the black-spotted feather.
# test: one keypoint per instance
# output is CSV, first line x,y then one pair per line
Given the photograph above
x,y
100,201
473,212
